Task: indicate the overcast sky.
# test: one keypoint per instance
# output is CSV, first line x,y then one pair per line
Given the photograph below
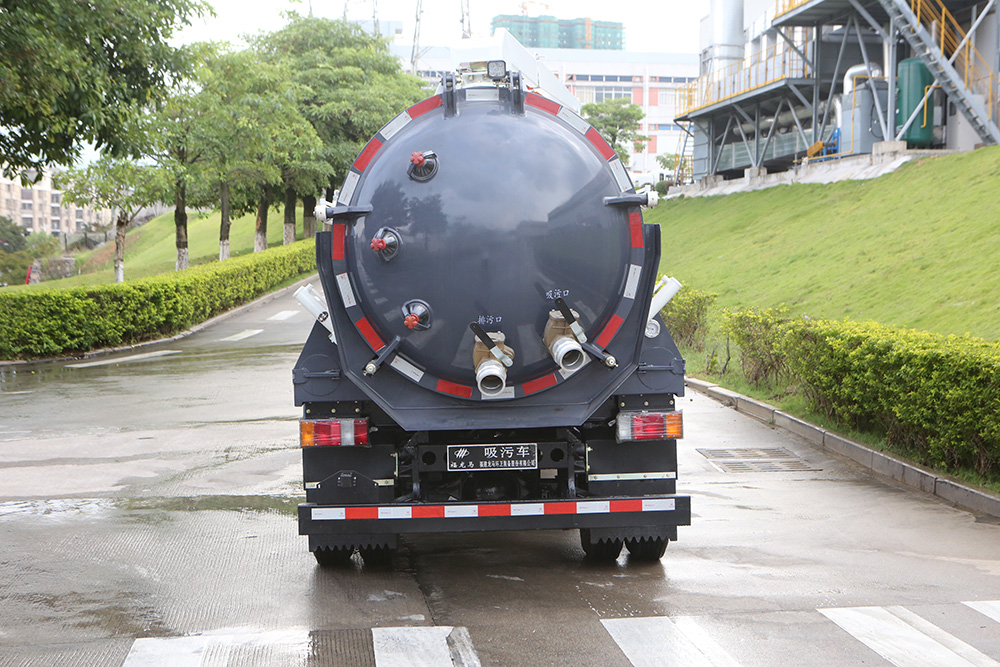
x,y
669,26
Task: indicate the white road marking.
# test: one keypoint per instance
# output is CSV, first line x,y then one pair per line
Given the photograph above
x,y
658,641
246,333
905,639
208,649
422,646
124,360
284,315
990,609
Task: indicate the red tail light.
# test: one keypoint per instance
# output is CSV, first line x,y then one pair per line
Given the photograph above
x,y
650,426
333,432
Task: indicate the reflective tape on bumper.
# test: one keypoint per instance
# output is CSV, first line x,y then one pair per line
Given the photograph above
x,y
563,507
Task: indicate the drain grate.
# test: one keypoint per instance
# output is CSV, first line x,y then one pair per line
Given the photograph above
x,y
765,459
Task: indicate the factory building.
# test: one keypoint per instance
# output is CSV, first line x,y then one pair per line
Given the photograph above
x,y
548,32
802,80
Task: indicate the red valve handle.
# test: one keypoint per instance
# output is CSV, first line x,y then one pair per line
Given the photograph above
x,y
411,321
417,158
378,244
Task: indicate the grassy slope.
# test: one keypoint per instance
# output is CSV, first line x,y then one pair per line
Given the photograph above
x,y
151,249
916,248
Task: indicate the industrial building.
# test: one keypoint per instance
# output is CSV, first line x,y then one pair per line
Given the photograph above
x,y
40,209
791,81
548,32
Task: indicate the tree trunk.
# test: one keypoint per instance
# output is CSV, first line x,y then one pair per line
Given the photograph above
x,y
308,216
181,223
288,232
263,204
120,226
224,207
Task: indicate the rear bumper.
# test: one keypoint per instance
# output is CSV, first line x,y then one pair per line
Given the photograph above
x,y
458,517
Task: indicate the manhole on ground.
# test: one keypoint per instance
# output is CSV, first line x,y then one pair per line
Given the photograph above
x,y
765,459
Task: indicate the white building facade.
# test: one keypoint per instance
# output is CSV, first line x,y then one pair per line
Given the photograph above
x,y
40,209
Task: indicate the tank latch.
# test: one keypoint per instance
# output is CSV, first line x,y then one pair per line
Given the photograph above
x,y
386,244
423,166
417,315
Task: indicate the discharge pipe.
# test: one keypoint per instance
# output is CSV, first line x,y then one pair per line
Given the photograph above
x,y
313,302
491,374
664,290
561,343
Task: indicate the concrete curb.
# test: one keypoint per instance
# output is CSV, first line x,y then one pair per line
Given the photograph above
x,y
247,307
877,462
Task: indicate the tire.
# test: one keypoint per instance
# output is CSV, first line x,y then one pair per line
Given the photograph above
x,y
647,548
333,556
599,551
380,556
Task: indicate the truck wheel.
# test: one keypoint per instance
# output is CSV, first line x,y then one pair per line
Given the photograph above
x,y
599,551
380,555
333,556
647,548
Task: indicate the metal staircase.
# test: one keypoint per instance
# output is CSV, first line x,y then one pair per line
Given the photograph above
x,y
684,160
964,84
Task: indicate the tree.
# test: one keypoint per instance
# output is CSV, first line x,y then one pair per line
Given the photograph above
x,y
115,183
11,236
618,122
74,72
353,86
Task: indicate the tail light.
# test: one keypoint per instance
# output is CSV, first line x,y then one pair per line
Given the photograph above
x,y
650,426
333,432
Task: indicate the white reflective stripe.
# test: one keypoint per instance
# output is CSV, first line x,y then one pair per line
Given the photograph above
x,y
384,482
621,176
903,640
990,609
395,125
395,513
347,191
577,123
630,476
406,368
633,281
482,94
657,504
329,513
527,509
593,507
508,392
460,511
346,291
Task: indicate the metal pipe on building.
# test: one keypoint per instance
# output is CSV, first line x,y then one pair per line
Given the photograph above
x,y
727,33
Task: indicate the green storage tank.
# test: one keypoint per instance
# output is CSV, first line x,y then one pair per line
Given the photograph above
x,y
912,80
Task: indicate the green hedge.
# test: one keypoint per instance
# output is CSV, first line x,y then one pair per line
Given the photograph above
x,y
48,322
935,397
686,316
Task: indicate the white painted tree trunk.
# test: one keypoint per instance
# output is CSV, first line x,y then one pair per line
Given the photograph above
x,y
288,234
182,259
260,241
223,250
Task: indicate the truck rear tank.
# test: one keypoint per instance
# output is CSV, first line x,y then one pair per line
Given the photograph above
x,y
486,357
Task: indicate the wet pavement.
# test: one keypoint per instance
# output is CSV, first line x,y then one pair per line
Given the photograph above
x,y
147,517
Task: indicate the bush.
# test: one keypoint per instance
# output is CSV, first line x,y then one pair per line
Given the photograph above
x,y
759,335
686,316
47,322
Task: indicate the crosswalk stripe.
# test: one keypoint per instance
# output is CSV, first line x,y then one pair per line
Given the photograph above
x,y
423,646
246,333
990,609
124,360
284,315
905,639
208,650
659,641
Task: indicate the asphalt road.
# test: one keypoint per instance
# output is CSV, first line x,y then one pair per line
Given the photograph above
x,y
147,518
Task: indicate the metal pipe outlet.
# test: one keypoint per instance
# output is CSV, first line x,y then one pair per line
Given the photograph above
x,y
491,377
567,352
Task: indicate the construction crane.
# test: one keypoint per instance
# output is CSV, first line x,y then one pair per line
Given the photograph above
x,y
466,20
415,54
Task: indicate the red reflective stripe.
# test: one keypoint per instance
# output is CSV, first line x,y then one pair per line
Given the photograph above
x,y
540,102
361,512
635,227
367,154
494,510
609,331
540,383
339,231
600,144
560,508
421,108
454,389
428,511
366,329
626,505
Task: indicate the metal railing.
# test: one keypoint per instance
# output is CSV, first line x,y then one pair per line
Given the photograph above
x,y
784,6
778,61
978,77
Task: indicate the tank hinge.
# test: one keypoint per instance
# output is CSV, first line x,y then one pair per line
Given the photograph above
x,y
324,211
449,95
300,375
516,94
676,367
629,199
377,362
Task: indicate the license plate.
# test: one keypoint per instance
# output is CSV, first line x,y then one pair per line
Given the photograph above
x,y
520,456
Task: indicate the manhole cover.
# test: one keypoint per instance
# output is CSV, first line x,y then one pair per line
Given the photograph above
x,y
766,459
